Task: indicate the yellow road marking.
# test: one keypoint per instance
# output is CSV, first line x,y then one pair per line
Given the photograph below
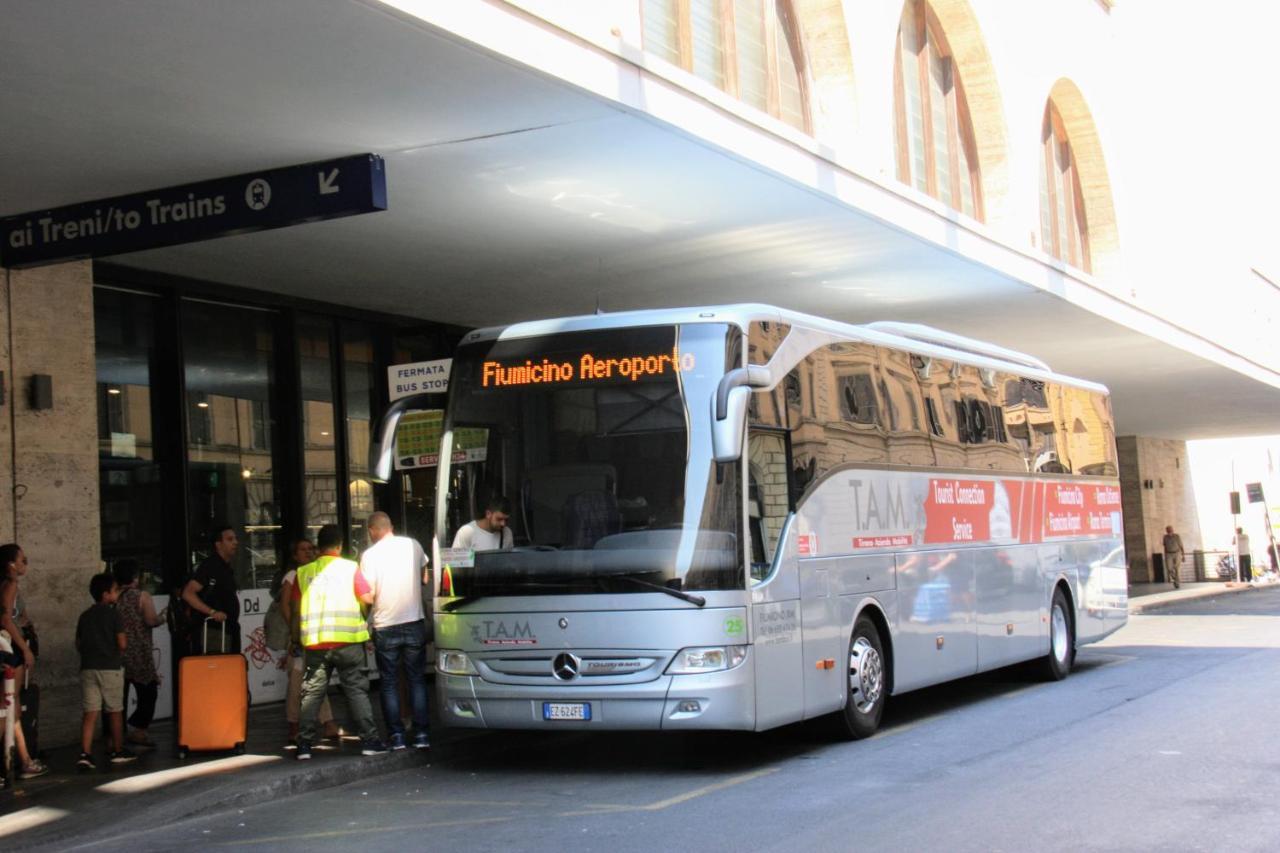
x,y
603,808
362,830
429,801
587,810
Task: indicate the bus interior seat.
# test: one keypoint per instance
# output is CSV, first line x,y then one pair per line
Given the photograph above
x,y
589,517
546,490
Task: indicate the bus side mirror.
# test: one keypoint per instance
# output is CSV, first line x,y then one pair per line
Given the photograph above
x,y
382,451
729,410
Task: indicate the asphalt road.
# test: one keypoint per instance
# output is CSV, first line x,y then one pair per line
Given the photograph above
x,y
1163,738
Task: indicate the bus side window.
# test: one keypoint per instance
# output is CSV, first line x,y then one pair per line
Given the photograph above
x,y
766,496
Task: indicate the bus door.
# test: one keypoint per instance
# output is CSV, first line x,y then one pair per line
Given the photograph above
x,y
775,585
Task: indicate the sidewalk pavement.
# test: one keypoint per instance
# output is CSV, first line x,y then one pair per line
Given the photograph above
x,y
160,788
1147,597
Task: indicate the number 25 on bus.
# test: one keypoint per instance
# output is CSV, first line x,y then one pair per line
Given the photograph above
x,y
738,517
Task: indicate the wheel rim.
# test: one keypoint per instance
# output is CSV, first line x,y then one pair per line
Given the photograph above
x,y
1060,633
866,675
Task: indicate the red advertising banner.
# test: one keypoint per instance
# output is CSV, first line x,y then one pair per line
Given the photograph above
x,y
1079,509
958,511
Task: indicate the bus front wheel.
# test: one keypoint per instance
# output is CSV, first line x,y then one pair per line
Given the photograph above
x,y
1062,639
865,693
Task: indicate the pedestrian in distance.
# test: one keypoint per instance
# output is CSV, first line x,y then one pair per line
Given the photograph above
x,y
211,593
22,660
393,571
301,552
333,630
138,613
1242,554
101,642
489,532
1173,553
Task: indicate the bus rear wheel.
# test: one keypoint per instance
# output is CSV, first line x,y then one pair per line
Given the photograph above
x,y
1062,639
865,693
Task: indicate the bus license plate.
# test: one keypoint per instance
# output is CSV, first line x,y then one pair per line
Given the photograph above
x,y
566,710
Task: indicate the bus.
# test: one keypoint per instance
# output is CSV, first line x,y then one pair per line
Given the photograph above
x,y
738,517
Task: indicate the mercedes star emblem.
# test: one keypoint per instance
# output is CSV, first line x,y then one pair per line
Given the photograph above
x,y
566,666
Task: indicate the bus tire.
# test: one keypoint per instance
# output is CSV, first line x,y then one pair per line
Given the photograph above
x,y
1062,639
864,695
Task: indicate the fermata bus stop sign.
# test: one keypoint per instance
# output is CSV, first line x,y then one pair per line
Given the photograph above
x,y
223,207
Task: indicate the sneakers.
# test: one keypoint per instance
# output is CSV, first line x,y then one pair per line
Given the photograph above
x,y
397,742
421,741
124,756
85,762
373,747
34,769
304,751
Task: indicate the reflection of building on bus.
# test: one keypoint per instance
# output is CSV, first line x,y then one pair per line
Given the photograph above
x,y
859,403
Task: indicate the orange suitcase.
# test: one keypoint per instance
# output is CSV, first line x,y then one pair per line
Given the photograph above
x,y
213,701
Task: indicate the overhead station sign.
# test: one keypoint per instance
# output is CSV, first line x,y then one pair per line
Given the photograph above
x,y
241,204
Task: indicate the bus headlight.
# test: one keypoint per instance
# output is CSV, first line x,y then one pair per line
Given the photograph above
x,y
454,663
706,659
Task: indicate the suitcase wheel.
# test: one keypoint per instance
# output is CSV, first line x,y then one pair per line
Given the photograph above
x,y
182,752
239,748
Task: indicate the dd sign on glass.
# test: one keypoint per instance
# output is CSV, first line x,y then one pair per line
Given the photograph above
x,y
189,213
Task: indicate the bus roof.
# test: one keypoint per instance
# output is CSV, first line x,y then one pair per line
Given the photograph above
x,y
914,338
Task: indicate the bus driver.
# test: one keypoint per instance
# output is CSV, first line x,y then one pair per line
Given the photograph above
x,y
489,532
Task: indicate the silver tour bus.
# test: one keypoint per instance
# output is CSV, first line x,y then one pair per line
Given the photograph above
x,y
739,517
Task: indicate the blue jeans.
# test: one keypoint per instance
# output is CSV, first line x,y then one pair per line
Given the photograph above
x,y
406,642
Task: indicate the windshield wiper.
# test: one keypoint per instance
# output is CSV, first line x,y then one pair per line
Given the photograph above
x,y
451,606
657,587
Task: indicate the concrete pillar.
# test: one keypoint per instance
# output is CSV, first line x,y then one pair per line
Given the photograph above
x,y
1156,490
49,468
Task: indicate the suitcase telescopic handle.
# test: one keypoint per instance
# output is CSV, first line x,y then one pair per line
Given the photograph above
x,y
205,632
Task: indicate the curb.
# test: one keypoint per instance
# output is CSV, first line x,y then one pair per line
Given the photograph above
x,y
1137,608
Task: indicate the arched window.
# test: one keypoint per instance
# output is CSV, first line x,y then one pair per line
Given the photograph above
x,y
934,136
1063,230
748,48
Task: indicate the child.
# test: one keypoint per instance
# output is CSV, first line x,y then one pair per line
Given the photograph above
x,y
100,639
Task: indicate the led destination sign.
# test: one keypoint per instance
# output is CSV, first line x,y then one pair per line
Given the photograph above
x,y
585,367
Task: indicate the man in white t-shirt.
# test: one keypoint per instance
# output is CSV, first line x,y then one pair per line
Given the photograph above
x,y
490,531
390,579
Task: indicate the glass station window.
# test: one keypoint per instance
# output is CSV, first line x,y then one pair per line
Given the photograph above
x,y
319,447
232,474
360,381
129,475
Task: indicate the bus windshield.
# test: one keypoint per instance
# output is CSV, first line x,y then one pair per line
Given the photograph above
x,y
600,442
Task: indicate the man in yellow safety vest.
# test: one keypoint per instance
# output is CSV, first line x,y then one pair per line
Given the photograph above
x,y
334,630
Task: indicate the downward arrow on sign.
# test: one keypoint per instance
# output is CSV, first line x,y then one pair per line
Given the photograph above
x,y
327,185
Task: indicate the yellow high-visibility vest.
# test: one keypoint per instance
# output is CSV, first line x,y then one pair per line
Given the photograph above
x,y
330,611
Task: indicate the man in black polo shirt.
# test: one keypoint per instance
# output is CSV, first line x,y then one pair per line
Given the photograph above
x,y
211,592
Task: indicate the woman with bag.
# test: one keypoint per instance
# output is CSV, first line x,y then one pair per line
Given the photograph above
x,y
138,612
14,621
